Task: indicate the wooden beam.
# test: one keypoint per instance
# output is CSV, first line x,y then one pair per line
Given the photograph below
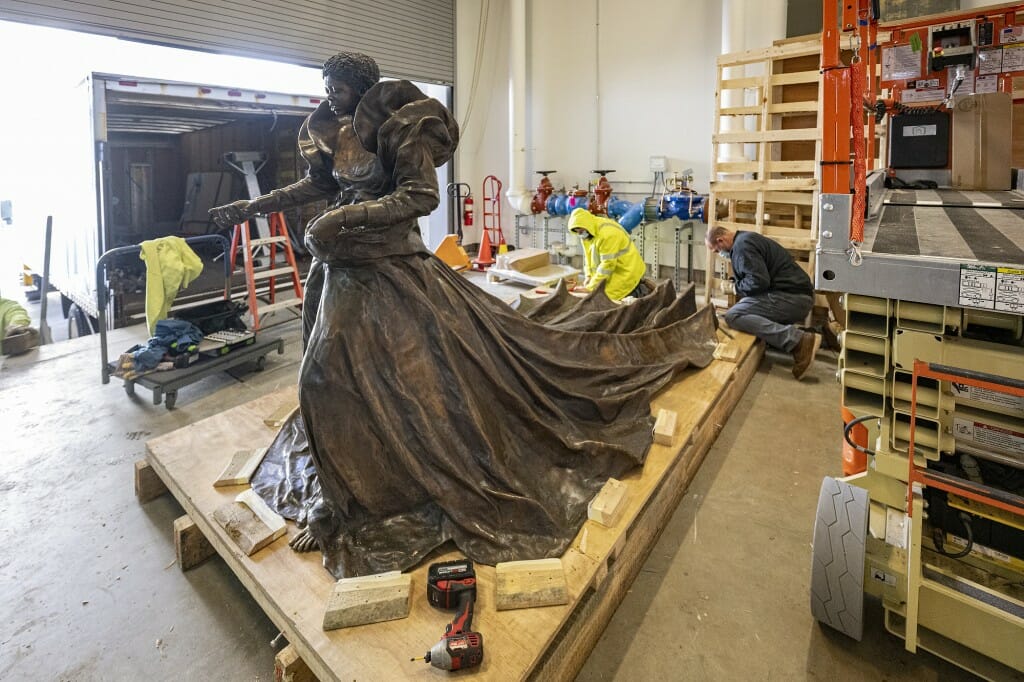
x,y
278,417
368,599
190,545
249,522
241,467
608,505
148,485
665,427
289,667
526,584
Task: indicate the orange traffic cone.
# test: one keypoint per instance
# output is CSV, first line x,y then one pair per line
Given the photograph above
x,y
484,259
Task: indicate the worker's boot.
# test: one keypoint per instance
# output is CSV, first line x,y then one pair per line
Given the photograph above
x,y
803,354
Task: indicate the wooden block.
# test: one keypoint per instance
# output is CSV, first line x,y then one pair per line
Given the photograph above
x,y
148,485
368,599
279,416
527,259
729,352
288,667
608,505
665,427
190,545
241,467
249,522
525,584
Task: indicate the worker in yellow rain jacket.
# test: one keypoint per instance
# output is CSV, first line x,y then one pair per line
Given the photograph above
x,y
610,255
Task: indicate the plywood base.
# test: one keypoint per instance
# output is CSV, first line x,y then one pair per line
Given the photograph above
x,y
548,643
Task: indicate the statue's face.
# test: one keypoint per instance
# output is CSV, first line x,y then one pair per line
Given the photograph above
x,y
341,96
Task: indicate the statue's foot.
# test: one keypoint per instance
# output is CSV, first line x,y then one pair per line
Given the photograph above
x,y
304,541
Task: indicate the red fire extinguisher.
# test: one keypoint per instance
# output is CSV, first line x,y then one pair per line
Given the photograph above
x,y
467,211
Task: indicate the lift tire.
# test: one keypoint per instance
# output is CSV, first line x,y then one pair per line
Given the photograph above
x,y
837,568
79,323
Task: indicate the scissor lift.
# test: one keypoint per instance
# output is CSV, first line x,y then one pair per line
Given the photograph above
x,y
932,368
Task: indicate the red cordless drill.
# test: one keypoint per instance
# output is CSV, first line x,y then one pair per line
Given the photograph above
x,y
452,585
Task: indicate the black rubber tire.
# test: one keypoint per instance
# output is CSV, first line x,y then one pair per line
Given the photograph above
x,y
837,568
79,323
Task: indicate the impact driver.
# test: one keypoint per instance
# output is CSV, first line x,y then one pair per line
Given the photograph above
x,y
452,585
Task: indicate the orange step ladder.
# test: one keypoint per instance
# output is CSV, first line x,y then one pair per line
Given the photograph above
x,y
278,235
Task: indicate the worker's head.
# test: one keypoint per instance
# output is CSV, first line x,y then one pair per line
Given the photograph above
x,y
583,223
719,240
347,77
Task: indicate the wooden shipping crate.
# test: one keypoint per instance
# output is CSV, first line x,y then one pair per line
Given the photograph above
x,y
549,643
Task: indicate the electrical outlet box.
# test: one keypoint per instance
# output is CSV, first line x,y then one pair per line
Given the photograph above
x,y
658,164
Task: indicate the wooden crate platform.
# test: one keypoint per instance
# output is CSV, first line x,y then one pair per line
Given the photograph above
x,y
549,643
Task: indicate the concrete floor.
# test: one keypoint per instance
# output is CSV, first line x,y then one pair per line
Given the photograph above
x,y
90,590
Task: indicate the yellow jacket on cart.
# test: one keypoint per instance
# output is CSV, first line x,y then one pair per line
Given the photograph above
x,y
609,254
170,265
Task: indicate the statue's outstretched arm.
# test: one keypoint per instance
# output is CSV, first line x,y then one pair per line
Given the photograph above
x,y
317,185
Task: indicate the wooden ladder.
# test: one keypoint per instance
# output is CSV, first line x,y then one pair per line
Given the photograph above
x,y
278,235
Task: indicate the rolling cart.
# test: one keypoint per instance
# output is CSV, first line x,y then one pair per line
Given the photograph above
x,y
165,385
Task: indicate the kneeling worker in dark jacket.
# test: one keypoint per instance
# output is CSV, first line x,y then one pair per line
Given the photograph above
x,y
774,292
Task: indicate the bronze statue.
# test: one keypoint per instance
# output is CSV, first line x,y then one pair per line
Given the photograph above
x,y
429,410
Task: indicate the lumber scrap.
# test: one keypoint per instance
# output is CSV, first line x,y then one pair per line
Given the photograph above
x,y
665,427
368,599
148,485
278,417
289,667
249,522
526,584
190,545
609,504
729,352
241,467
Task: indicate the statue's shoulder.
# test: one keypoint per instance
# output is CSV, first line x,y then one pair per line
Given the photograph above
x,y
392,110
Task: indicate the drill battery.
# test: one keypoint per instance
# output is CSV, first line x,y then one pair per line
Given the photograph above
x,y
441,576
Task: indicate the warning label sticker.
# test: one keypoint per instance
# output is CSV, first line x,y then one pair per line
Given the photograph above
x,y
988,436
988,397
1010,290
992,288
977,286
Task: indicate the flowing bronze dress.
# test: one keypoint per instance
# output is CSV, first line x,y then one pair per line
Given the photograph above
x,y
432,411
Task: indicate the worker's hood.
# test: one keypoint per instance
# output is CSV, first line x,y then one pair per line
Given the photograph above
x,y
581,217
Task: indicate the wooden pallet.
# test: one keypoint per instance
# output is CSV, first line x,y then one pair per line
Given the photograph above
x,y
771,115
548,643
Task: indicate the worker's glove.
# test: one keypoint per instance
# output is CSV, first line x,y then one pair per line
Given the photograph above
x,y
728,287
234,213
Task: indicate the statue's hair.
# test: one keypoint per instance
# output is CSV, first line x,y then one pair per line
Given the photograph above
x,y
358,70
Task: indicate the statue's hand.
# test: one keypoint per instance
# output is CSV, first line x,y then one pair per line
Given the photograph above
x,y
234,213
327,226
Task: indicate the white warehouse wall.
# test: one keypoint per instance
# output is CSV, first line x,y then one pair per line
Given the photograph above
x,y
609,84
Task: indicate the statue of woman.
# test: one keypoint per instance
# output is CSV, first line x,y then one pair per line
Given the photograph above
x,y
429,410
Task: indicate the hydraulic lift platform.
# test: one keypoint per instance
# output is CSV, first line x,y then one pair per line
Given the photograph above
x,y
942,247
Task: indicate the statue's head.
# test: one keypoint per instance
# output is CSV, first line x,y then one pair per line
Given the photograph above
x,y
347,77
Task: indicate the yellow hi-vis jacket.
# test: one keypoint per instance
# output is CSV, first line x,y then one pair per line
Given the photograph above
x,y
609,255
170,265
